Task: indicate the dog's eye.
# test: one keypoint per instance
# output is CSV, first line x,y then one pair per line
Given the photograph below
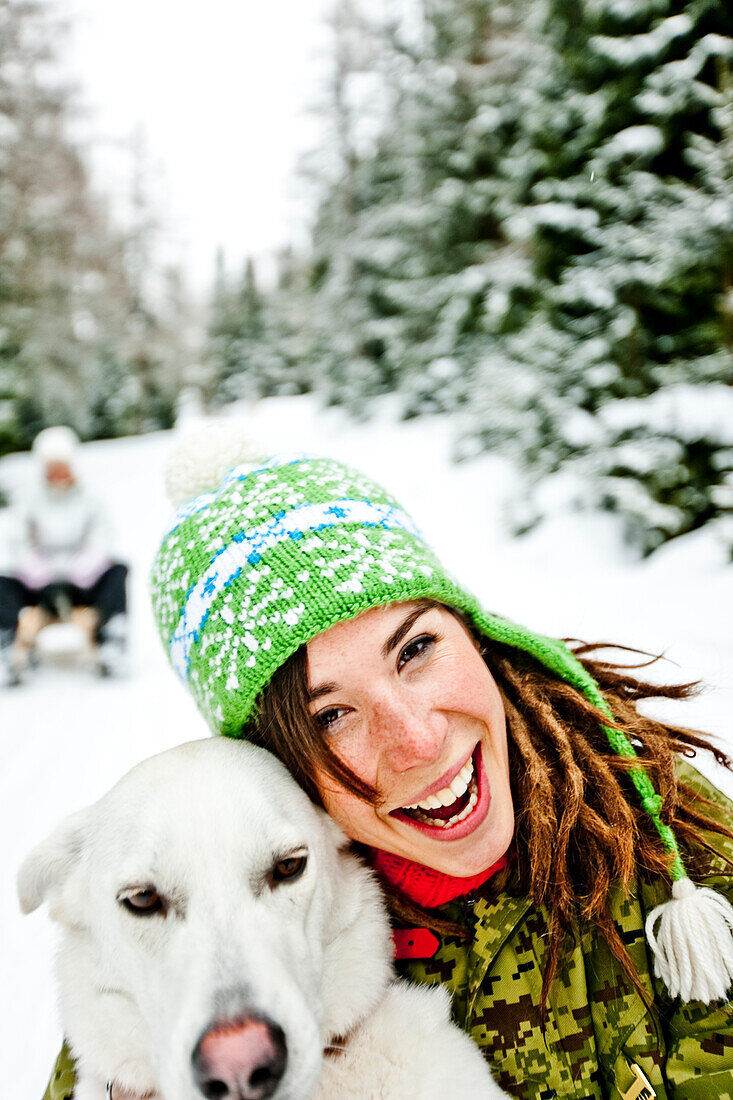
x,y
143,903
286,870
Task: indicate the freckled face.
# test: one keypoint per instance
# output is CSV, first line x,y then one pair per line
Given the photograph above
x,y
408,704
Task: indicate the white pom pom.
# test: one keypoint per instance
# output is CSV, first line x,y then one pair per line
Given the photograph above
x,y
693,945
201,457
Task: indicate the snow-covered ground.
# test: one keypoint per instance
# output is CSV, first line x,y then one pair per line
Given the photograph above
x,y
66,738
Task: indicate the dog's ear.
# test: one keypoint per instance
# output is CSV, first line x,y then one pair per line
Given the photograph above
x,y
47,865
334,832
357,942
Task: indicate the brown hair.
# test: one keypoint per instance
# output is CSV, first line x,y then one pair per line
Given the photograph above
x,y
579,824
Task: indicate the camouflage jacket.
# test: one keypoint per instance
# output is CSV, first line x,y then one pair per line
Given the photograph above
x,y
597,1027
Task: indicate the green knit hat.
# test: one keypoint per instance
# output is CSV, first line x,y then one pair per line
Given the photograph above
x,y
280,550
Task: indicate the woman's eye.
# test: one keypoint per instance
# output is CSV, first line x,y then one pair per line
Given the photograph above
x,y
325,719
143,903
416,648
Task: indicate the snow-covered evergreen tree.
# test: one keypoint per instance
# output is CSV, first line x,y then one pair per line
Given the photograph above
x,y
422,242
628,225
665,461
255,342
68,308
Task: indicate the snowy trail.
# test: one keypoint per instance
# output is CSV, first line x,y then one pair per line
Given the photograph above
x,y
67,738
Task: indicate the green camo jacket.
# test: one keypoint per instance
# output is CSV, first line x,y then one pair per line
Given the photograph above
x,y
597,1027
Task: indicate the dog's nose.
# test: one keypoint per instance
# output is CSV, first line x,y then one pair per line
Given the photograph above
x,y
240,1059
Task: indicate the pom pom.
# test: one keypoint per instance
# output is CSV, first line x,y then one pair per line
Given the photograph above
x,y
201,457
693,943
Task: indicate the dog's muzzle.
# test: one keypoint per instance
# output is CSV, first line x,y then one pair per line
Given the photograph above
x,y
240,1059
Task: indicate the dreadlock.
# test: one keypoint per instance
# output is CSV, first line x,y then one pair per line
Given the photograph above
x,y
579,825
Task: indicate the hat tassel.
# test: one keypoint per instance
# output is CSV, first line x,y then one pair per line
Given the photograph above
x,y
691,938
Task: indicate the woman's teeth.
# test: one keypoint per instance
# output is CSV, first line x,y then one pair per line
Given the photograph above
x,y
451,795
448,795
442,823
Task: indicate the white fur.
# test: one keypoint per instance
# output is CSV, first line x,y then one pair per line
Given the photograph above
x,y
205,823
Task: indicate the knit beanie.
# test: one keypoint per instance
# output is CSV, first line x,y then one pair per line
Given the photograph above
x,y
58,444
278,550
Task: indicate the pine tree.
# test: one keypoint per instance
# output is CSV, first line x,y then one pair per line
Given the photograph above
x,y
423,238
235,333
257,339
665,461
68,306
628,225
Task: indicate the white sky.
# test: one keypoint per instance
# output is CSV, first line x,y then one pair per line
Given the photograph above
x,y
224,90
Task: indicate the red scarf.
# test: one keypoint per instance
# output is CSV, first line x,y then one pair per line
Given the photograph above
x,y
428,888
423,885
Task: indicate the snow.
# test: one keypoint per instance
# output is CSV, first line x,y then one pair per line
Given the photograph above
x,y
716,45
618,9
635,141
639,48
67,737
556,215
684,411
589,285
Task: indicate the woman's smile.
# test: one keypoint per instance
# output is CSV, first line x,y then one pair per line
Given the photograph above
x,y
414,712
452,811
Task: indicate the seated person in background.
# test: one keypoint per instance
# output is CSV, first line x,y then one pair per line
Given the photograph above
x,y
63,569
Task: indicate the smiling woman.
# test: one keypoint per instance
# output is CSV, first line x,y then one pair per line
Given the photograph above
x,y
415,713
527,822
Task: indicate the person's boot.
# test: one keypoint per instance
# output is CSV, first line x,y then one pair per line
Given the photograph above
x,y
112,654
9,670
31,621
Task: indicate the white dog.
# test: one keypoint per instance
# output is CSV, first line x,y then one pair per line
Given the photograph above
x,y
220,940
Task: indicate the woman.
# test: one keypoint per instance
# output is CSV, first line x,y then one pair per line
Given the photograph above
x,y
62,565
522,815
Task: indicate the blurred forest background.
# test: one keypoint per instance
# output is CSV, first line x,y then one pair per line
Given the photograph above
x,y
522,218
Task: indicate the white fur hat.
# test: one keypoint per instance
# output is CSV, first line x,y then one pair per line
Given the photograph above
x,y
59,444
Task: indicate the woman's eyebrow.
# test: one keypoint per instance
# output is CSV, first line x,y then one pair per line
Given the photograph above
x,y
394,640
404,628
322,689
